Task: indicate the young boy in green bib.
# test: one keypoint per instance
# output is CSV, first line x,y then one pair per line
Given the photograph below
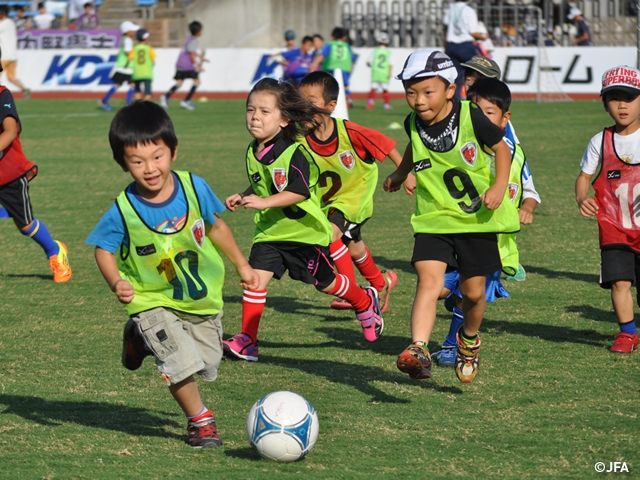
x,y
461,205
158,247
144,58
381,68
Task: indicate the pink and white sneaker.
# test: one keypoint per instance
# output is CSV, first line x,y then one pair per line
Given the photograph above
x,y
371,319
241,346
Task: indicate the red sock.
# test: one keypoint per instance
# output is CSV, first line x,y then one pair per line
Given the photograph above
x,y
253,302
342,260
370,270
372,94
387,97
351,292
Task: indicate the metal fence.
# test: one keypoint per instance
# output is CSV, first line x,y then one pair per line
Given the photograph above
x,y
418,23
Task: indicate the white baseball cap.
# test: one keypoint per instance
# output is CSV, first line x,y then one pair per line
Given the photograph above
x,y
623,78
428,63
382,37
129,27
573,13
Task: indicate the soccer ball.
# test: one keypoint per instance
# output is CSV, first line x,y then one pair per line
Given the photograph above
x,y
282,426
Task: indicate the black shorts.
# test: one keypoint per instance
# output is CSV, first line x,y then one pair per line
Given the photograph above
x,y
308,263
186,74
14,196
146,84
472,254
350,231
120,78
618,264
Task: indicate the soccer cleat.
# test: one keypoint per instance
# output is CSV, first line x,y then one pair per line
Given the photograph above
x,y
105,106
133,349
371,319
467,359
390,281
445,357
27,93
187,104
416,361
387,106
203,432
349,102
60,264
624,342
241,346
341,304
163,102
370,105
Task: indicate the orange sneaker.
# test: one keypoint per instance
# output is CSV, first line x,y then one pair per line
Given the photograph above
x,y
60,265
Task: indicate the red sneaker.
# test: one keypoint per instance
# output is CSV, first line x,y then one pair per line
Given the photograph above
x,y
341,304
624,342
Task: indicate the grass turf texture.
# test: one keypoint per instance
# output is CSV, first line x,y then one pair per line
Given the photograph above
x,y
549,401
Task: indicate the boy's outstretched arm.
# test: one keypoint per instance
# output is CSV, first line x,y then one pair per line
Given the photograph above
x,y
588,206
392,182
410,183
220,235
493,197
279,200
109,269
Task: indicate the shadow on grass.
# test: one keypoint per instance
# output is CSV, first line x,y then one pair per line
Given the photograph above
x,y
246,453
359,377
294,306
53,413
395,264
27,275
593,313
554,274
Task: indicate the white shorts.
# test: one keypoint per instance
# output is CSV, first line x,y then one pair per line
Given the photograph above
x,y
379,86
183,344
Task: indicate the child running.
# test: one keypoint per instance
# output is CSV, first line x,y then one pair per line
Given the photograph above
x,y
157,248
346,154
615,154
460,205
291,232
123,68
494,99
188,66
144,58
16,171
381,68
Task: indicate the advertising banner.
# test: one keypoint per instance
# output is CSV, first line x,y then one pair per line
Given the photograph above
x,y
570,70
66,39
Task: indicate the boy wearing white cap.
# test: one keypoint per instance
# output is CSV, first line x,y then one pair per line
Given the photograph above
x,y
615,154
123,68
583,36
380,63
460,205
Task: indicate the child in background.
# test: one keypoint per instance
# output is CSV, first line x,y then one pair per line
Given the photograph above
x,y
460,205
144,58
346,154
124,67
88,20
157,248
381,68
291,232
16,171
318,43
494,99
296,62
337,54
615,154
188,66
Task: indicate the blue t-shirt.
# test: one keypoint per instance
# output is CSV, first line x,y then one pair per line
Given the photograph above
x,y
166,217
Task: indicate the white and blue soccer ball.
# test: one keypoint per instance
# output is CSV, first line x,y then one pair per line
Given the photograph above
x,y
282,426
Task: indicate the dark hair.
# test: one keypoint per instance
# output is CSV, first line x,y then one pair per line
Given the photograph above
x,y
411,81
338,32
140,123
492,90
19,8
317,35
473,73
330,86
195,28
40,5
300,111
306,38
4,10
88,4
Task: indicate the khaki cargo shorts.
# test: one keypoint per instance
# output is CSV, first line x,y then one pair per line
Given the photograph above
x,y
183,344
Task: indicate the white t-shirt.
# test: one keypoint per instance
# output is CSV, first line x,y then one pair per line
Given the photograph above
x,y
8,39
461,22
43,21
627,147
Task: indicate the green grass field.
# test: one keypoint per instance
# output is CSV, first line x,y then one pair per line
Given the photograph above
x,y
549,401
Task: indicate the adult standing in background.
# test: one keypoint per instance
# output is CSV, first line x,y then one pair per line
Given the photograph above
x,y
583,37
76,9
462,31
9,48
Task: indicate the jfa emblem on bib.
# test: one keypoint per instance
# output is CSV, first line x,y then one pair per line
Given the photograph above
x,y
197,231
346,159
513,191
279,178
469,152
